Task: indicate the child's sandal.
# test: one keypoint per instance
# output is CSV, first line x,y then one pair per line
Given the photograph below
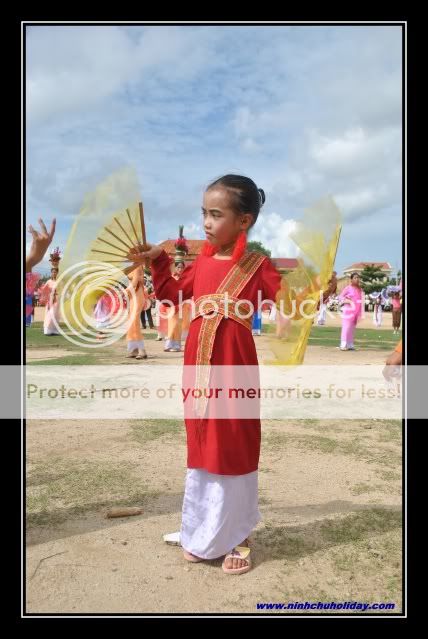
x,y
239,552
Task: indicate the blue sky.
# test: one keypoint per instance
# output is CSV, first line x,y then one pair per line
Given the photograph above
x,y
305,111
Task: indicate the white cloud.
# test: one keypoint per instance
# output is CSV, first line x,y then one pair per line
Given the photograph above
x,y
192,231
273,232
71,68
355,151
304,111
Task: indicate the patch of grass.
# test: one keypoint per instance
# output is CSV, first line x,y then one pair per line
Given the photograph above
x,y
367,556
363,488
358,525
35,338
67,360
314,424
112,353
61,488
284,542
363,334
371,567
391,431
310,422
385,458
318,443
393,586
356,446
346,560
368,569
305,442
150,429
297,542
388,475
271,441
365,338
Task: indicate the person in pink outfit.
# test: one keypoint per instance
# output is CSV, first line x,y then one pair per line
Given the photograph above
x,y
396,312
352,299
39,246
48,297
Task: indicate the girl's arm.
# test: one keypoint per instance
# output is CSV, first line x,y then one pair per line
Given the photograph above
x,y
343,297
272,282
129,290
166,286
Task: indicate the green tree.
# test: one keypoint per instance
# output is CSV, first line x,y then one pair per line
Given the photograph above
x,y
372,278
259,248
395,280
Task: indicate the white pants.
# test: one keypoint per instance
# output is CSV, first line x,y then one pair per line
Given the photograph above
x,y
132,345
219,512
322,314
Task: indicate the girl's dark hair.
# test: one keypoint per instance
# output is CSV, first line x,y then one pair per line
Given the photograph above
x,y
247,198
354,273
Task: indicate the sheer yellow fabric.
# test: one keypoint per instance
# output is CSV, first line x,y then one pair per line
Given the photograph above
x,y
106,227
317,237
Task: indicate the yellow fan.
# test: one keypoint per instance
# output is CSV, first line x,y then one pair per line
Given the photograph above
x,y
123,233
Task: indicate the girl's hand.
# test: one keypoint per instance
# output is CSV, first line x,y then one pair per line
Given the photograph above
x,y
39,246
152,252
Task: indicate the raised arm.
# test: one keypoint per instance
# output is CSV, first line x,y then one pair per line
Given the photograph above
x,y
39,245
166,286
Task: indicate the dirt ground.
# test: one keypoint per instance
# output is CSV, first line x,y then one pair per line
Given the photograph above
x,y
330,499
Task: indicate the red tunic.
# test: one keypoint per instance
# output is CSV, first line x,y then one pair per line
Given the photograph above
x,y
222,446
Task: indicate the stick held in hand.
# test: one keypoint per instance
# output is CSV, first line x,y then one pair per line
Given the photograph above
x,y
143,233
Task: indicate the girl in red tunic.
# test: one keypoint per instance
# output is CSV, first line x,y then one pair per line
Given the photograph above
x,y
220,506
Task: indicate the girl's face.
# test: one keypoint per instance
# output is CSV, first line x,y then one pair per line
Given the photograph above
x,y
355,280
54,274
179,268
221,223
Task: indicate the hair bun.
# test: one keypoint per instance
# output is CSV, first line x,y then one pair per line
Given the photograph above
x,y
262,197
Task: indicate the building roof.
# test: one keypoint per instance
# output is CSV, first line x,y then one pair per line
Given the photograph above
x,y
195,248
358,266
285,262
